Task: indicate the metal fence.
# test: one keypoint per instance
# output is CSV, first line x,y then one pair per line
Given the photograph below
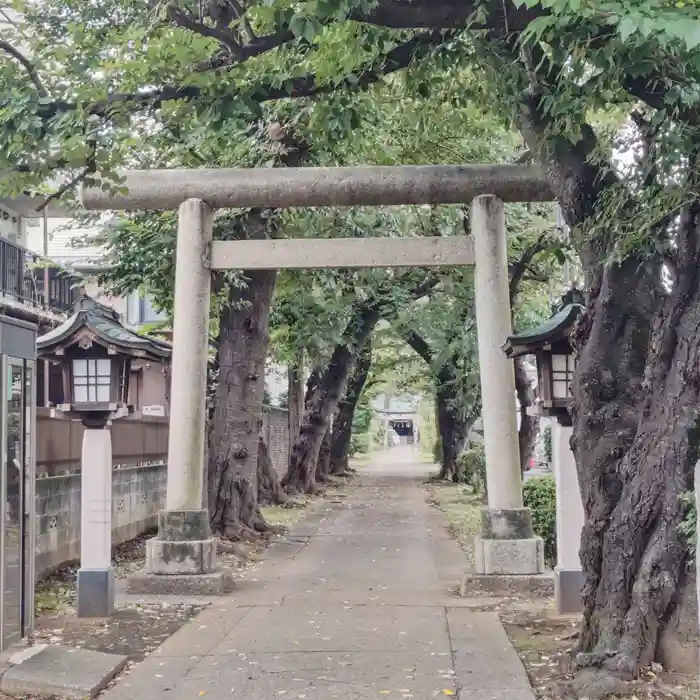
x,y
22,276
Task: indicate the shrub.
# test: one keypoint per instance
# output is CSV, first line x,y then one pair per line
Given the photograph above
x,y
471,468
547,438
539,494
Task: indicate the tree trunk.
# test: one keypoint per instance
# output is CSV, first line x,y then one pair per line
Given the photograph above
x,y
451,424
323,463
636,387
237,415
270,493
529,425
342,425
295,399
632,480
323,402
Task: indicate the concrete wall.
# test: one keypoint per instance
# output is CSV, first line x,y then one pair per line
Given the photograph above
x,y
135,441
138,482
148,387
138,495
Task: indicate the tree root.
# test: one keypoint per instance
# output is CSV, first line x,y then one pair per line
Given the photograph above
x,y
591,684
295,503
229,547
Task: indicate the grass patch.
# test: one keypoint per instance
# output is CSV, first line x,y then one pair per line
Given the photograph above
x,y
282,515
462,508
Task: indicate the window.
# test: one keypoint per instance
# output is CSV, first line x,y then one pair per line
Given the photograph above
x,y
140,309
91,381
562,374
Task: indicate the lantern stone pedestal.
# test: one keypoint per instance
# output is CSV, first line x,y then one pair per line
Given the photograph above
x,y
506,544
96,576
568,577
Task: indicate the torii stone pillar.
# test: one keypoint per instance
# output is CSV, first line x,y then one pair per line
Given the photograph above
x,y
506,544
182,557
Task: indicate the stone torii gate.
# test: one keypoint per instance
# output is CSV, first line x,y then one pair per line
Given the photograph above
x,y
182,558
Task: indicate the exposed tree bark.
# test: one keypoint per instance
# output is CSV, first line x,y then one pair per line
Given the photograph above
x,y
529,428
237,419
323,462
269,490
295,399
345,414
301,473
451,424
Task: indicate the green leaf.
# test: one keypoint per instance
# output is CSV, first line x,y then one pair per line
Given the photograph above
x,y
628,26
297,25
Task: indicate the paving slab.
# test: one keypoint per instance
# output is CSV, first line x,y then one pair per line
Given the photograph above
x,y
309,628
61,671
359,602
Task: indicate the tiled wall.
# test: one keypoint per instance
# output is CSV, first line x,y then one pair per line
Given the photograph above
x,y
275,431
138,495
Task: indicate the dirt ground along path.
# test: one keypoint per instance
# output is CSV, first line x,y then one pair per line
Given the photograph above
x,y
355,603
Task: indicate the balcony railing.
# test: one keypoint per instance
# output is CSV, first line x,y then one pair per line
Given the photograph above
x,y
22,277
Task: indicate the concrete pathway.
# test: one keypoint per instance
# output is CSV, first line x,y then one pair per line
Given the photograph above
x,y
355,603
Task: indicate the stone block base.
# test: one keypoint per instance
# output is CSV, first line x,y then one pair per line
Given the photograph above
x,y
183,525
567,590
511,524
538,586
520,557
95,596
170,557
218,582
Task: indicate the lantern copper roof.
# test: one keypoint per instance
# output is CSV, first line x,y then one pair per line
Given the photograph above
x,y
552,331
102,324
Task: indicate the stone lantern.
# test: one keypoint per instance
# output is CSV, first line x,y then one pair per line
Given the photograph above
x,y
556,361
96,354
551,346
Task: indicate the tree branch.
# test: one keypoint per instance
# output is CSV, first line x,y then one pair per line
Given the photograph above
x,y
449,14
223,35
69,185
420,346
521,267
653,91
26,64
305,86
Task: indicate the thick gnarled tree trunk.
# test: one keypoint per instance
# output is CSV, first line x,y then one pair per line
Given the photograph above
x,y
300,477
295,399
323,463
237,412
451,425
529,428
345,414
635,414
641,367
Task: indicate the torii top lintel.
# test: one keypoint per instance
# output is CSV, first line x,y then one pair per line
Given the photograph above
x,y
315,187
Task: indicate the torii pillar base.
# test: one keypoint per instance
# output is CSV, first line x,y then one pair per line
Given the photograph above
x,y
181,560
